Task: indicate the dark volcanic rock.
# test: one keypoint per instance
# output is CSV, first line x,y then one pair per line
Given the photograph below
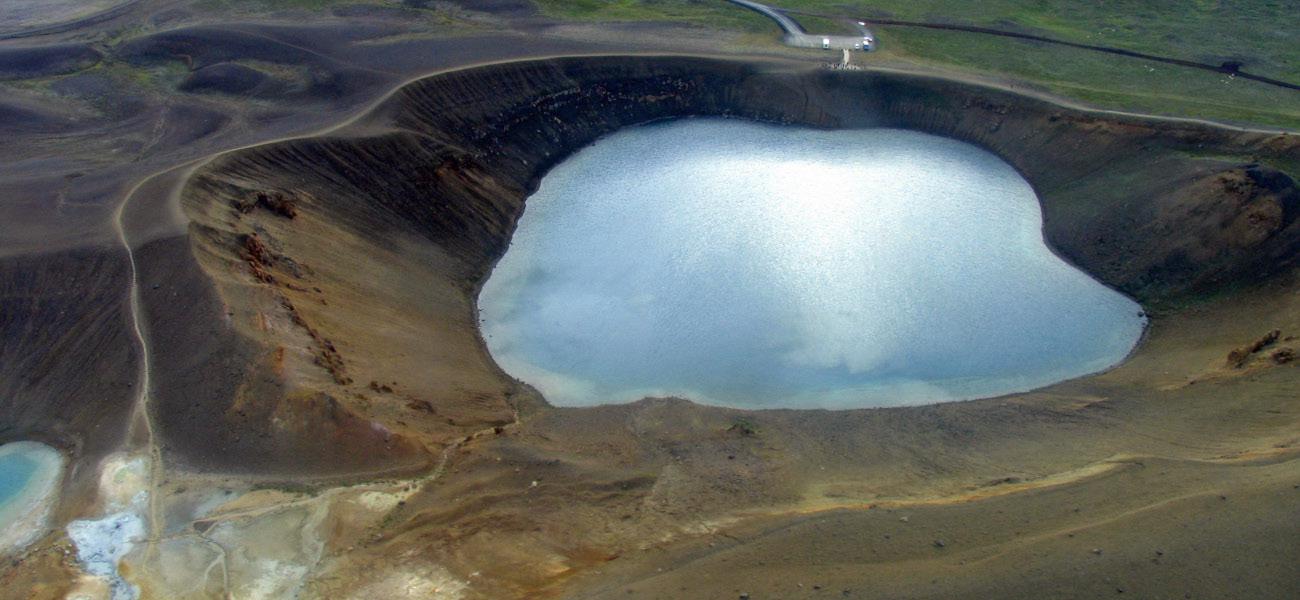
x,y
224,78
199,47
213,56
44,61
1238,357
456,155
25,118
511,8
69,362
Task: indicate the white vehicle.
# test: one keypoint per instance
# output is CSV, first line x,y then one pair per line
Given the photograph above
x,y
826,43
867,42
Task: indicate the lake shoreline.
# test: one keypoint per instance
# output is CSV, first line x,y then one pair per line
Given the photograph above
x,y
25,516
849,268
341,302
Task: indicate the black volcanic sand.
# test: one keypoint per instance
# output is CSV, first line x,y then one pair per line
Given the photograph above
x,y
79,135
73,152
331,332
350,326
43,61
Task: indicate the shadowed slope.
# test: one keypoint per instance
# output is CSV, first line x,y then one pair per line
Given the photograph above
x,y
357,302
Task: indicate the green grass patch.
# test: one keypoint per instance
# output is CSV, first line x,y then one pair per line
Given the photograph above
x,y
271,5
1262,34
1288,165
1259,34
1100,79
711,14
826,26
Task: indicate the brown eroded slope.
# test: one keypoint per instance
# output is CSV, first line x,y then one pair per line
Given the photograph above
x,y
339,317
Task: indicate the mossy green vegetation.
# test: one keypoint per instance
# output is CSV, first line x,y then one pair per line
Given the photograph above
x,y
1099,79
1261,34
420,13
827,25
1258,34
717,15
279,4
309,489
743,426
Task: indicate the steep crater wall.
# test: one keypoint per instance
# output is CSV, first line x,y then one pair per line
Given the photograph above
x,y
349,264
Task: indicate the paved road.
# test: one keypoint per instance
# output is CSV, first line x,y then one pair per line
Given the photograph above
x,y
796,36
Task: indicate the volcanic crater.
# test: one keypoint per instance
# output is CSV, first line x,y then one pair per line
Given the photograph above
x,y
332,334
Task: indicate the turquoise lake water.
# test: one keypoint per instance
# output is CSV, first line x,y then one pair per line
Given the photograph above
x,y
16,471
750,265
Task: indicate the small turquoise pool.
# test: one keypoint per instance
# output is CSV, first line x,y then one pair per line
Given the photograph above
x,y
16,470
29,477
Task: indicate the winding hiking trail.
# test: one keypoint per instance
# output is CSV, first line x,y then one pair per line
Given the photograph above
x,y
143,417
141,405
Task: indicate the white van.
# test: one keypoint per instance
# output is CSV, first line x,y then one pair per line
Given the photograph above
x,y
826,43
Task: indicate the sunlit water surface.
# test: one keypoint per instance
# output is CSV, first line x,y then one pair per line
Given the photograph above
x,y
749,265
